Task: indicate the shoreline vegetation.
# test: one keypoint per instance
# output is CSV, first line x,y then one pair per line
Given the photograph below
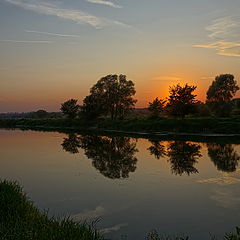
x,y
209,127
21,220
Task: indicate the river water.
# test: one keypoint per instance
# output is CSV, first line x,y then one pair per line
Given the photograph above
x,y
130,185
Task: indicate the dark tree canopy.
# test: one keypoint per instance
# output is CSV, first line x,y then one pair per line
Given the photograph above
x,y
182,156
157,149
156,107
113,157
70,108
112,95
220,93
39,114
223,88
224,157
181,101
71,143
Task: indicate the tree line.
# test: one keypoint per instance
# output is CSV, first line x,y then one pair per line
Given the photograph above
x,y
113,95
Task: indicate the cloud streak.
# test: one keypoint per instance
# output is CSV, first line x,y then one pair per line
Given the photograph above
x,y
53,34
167,78
223,48
24,41
103,2
77,16
225,33
223,27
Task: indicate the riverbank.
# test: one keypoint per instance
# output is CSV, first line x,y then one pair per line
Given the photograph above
x,y
21,220
189,126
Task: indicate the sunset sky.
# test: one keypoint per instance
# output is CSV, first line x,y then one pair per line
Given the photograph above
x,y
53,50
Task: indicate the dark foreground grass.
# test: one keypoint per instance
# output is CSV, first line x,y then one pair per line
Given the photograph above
x,y
21,220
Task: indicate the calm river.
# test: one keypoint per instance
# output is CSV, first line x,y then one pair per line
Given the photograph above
x,y
130,185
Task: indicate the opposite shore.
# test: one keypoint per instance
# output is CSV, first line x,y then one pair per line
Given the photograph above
x,y
208,127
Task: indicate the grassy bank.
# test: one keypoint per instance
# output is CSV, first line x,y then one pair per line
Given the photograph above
x,y
188,125
21,220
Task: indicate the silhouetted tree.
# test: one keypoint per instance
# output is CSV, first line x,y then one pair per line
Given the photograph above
x,y
70,108
157,149
156,107
224,157
220,93
113,157
181,101
38,114
93,106
71,143
112,95
183,156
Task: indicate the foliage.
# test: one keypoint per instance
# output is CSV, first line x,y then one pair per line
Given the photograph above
x,y
220,93
170,125
157,149
39,114
181,101
93,106
156,107
114,157
20,220
224,157
233,236
71,143
70,108
112,95
182,156
154,235
202,110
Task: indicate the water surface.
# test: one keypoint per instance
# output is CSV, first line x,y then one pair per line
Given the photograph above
x,y
131,185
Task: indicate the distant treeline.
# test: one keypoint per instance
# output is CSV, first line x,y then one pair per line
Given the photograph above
x,y
112,96
40,114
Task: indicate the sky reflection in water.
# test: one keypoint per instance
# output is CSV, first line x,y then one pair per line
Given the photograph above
x,y
131,185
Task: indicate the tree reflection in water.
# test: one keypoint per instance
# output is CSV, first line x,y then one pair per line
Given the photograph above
x,y
71,143
112,156
224,157
157,149
183,156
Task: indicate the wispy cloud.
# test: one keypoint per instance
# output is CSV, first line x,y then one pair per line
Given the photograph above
x,y
25,41
103,2
53,34
224,27
225,32
207,78
166,78
54,9
113,228
223,48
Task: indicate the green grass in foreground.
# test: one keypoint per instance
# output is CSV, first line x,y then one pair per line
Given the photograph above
x,y
21,220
